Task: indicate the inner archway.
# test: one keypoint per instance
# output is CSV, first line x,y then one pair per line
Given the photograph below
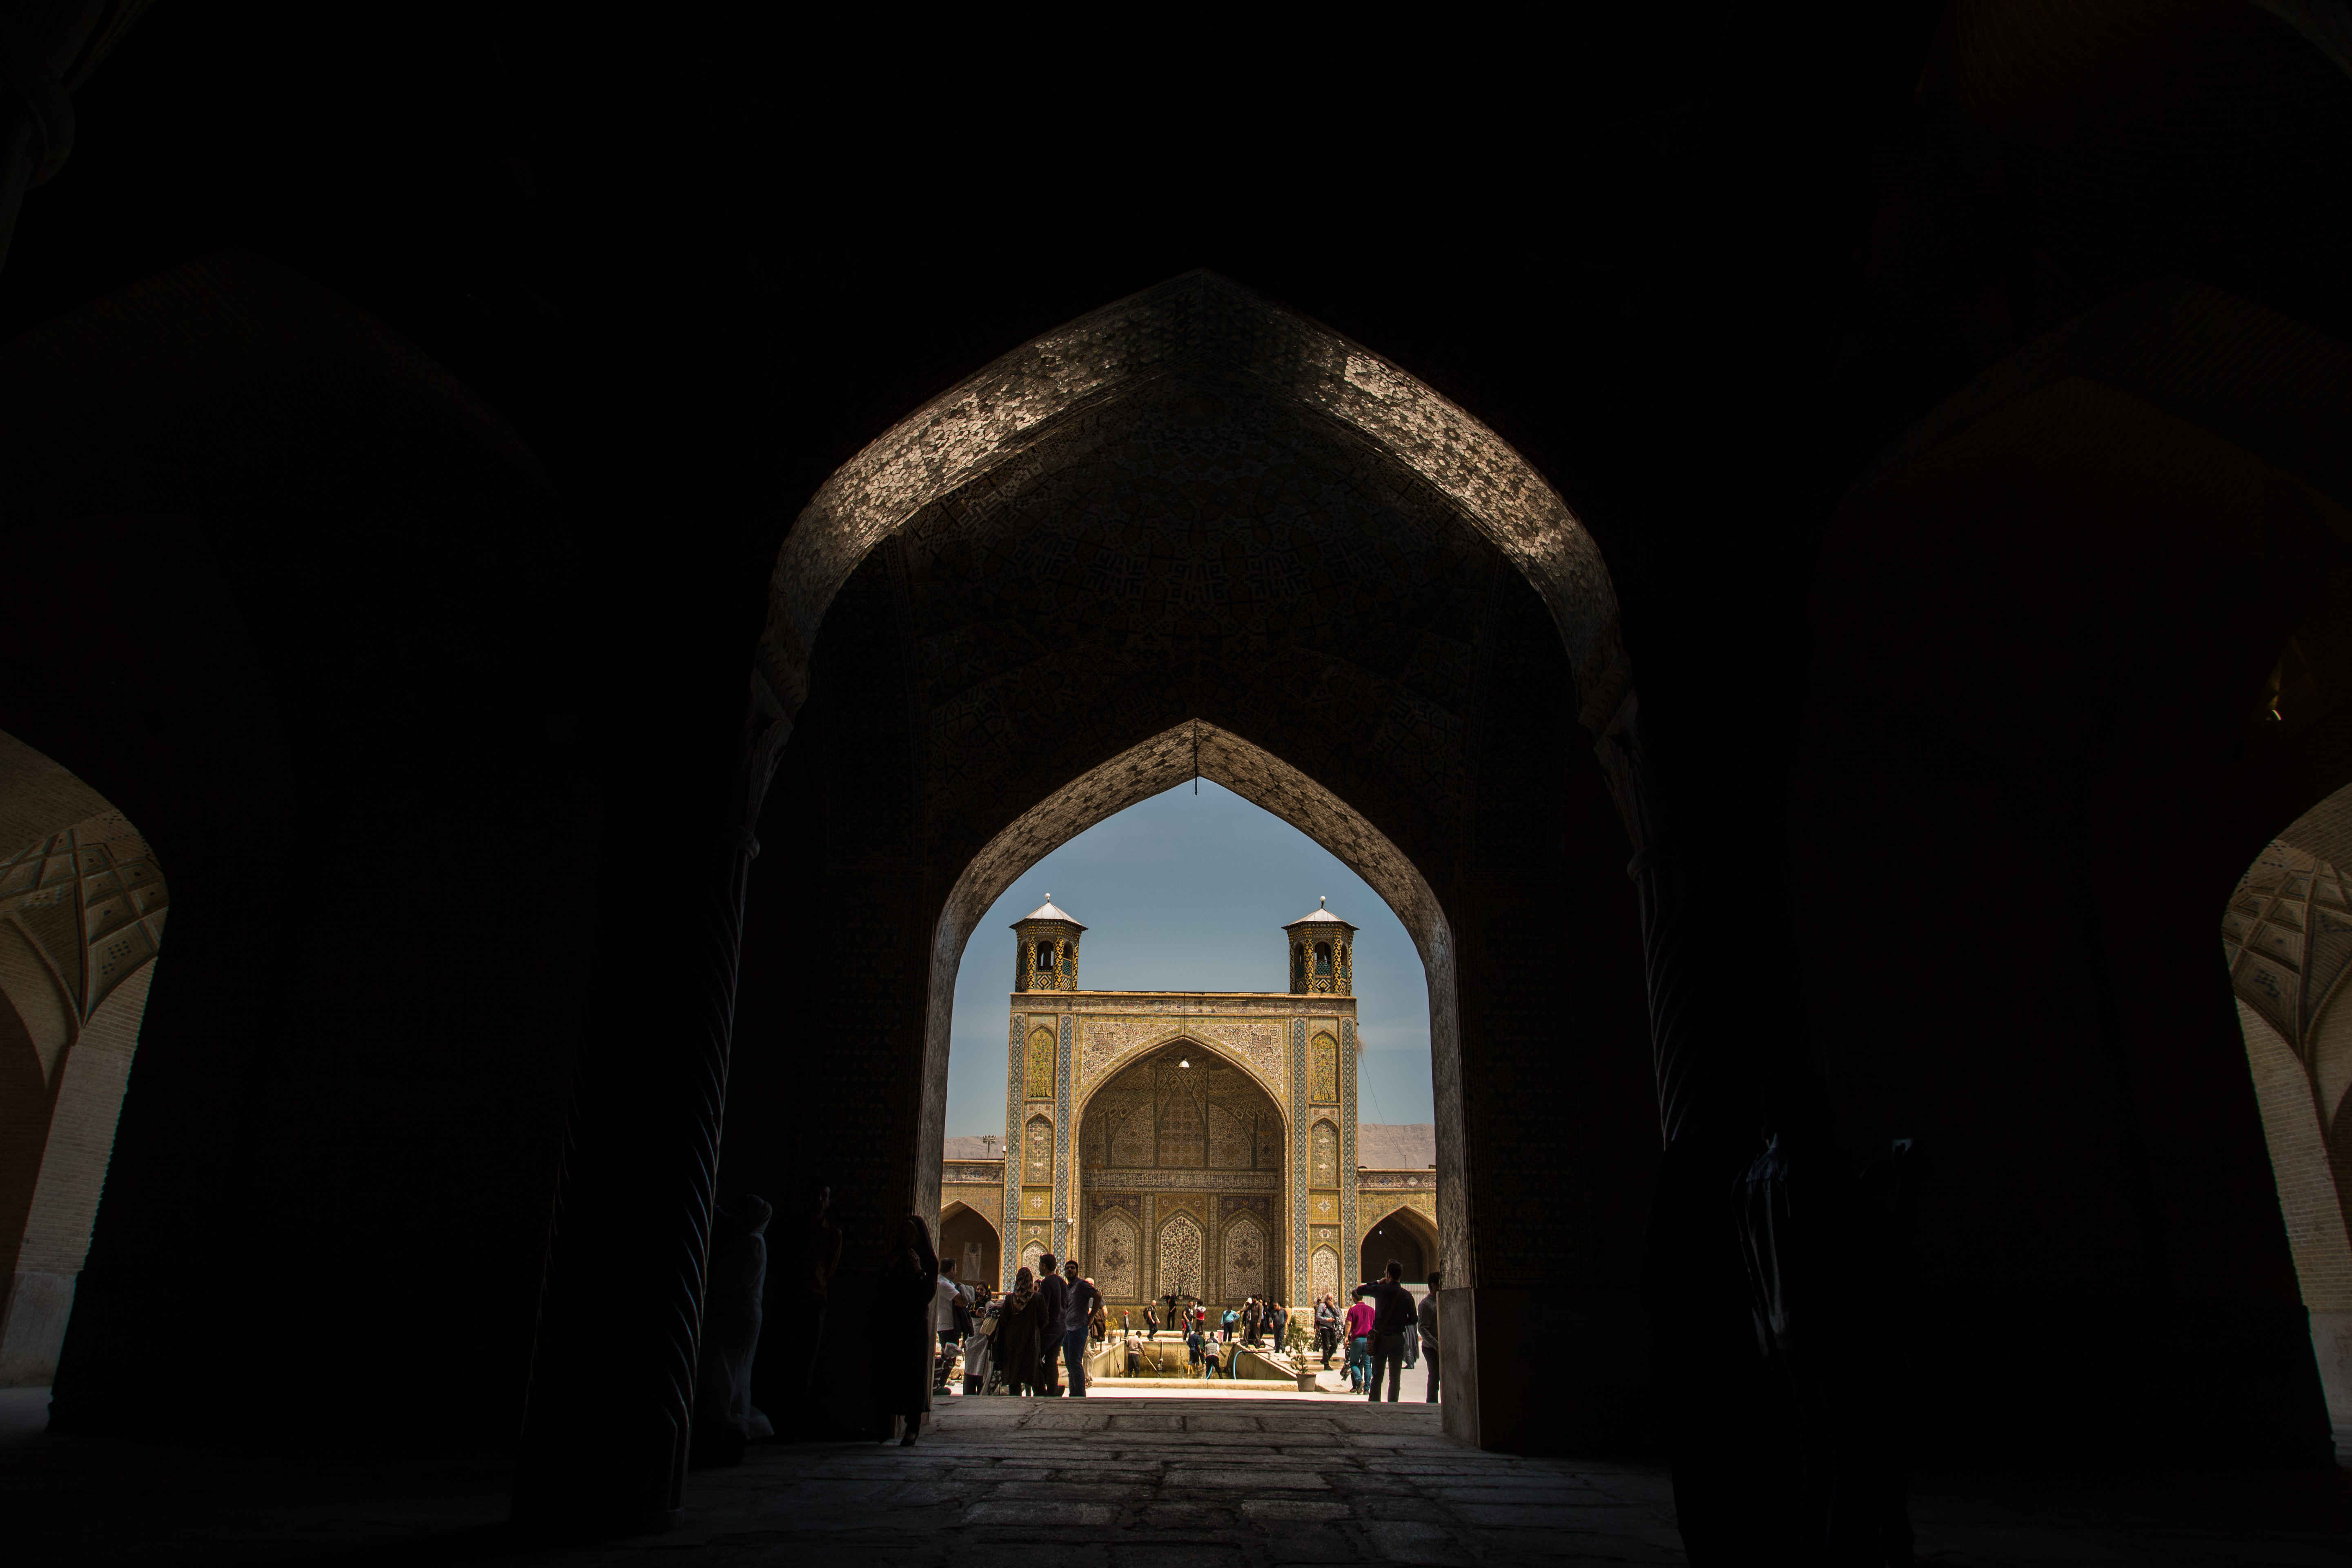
x,y
2287,938
1283,790
967,1237
82,907
1404,1234
1183,1132
1197,571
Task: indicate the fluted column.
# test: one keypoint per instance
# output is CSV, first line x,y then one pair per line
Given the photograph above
x,y
610,1408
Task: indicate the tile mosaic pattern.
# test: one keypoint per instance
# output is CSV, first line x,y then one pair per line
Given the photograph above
x,y
1347,1114
1013,1097
1181,1264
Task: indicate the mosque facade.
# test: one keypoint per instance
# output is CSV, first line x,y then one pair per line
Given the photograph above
x,y
1182,1142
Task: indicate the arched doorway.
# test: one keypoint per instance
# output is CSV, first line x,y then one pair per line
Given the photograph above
x,y
1183,1155
2287,938
1404,1234
966,1236
999,666
82,905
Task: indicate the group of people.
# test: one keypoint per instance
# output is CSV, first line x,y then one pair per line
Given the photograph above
x,y
1047,1314
1257,1320
1036,1334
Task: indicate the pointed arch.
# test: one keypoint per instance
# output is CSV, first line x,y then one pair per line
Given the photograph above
x,y
1404,1233
82,907
2287,940
1196,321
972,1237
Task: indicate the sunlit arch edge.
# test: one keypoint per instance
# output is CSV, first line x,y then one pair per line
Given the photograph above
x,y
1199,320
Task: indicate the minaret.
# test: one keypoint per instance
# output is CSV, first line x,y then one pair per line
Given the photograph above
x,y
1047,957
1322,953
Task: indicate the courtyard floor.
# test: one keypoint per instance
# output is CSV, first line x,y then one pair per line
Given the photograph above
x,y
1219,1483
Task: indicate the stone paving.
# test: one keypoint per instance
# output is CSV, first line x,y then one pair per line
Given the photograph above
x,y
1224,1482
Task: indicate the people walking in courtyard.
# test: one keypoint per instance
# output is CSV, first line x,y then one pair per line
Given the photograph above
x,y
1193,1344
898,1327
1392,1309
1327,1328
1150,1325
1020,1347
1411,1345
1429,1347
1249,1319
1232,1322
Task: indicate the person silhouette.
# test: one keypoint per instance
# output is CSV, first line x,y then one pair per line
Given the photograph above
x,y
1813,1242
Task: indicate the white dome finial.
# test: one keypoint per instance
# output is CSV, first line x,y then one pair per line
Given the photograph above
x,y
1321,900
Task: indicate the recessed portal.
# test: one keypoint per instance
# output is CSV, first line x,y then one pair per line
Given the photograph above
x,y
1191,1116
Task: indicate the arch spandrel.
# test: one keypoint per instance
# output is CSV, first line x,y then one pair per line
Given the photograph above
x,y
1271,1088
1096,1070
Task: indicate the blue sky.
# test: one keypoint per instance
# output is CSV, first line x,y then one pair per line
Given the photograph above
x,y
1185,892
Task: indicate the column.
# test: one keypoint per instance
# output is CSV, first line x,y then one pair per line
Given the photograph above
x,y
1350,1244
1015,1069
1302,1127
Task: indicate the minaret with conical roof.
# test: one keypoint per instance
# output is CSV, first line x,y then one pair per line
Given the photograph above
x,y
1047,958
1322,953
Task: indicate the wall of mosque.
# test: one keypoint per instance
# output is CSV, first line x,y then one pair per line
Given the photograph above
x,y
1188,1144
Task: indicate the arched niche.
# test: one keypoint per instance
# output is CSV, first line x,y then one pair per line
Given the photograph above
x,y
969,1238
1183,1128
82,907
1405,1234
1012,750
2287,939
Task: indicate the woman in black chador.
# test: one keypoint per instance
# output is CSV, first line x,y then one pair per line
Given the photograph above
x,y
1020,1335
899,1327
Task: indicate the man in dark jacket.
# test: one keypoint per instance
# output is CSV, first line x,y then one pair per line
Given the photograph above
x,y
1079,1299
1393,1309
1053,1291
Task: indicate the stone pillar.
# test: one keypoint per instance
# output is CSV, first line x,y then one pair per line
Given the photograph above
x,y
610,1405
1066,1152
1015,1073
74,1156
1302,1125
1350,1240
612,1383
